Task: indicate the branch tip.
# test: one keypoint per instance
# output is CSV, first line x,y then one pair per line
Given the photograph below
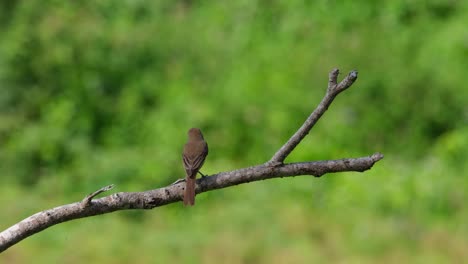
x,y
347,81
107,188
333,77
377,156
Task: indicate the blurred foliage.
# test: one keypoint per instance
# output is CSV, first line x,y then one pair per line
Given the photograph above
x,y
100,92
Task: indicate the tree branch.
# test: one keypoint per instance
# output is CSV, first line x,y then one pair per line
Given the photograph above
x,y
174,192
333,90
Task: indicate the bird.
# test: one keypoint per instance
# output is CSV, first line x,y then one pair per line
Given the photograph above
x,y
193,157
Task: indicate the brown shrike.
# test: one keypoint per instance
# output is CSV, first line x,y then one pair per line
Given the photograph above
x,y
195,152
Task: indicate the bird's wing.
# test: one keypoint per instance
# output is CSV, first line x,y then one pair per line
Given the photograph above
x,y
193,163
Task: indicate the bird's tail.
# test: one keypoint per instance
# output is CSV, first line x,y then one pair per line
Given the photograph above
x,y
189,196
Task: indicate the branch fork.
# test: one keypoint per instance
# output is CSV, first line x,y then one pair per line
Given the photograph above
x,y
334,88
87,200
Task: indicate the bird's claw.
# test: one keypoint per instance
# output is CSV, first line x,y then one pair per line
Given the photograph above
x,y
178,181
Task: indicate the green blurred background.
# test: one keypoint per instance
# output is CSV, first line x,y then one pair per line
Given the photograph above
x,y
101,92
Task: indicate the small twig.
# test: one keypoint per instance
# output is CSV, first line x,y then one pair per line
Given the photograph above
x,y
87,200
333,90
178,181
183,179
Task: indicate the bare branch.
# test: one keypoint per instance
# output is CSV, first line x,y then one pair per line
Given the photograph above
x,y
174,192
333,90
347,81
